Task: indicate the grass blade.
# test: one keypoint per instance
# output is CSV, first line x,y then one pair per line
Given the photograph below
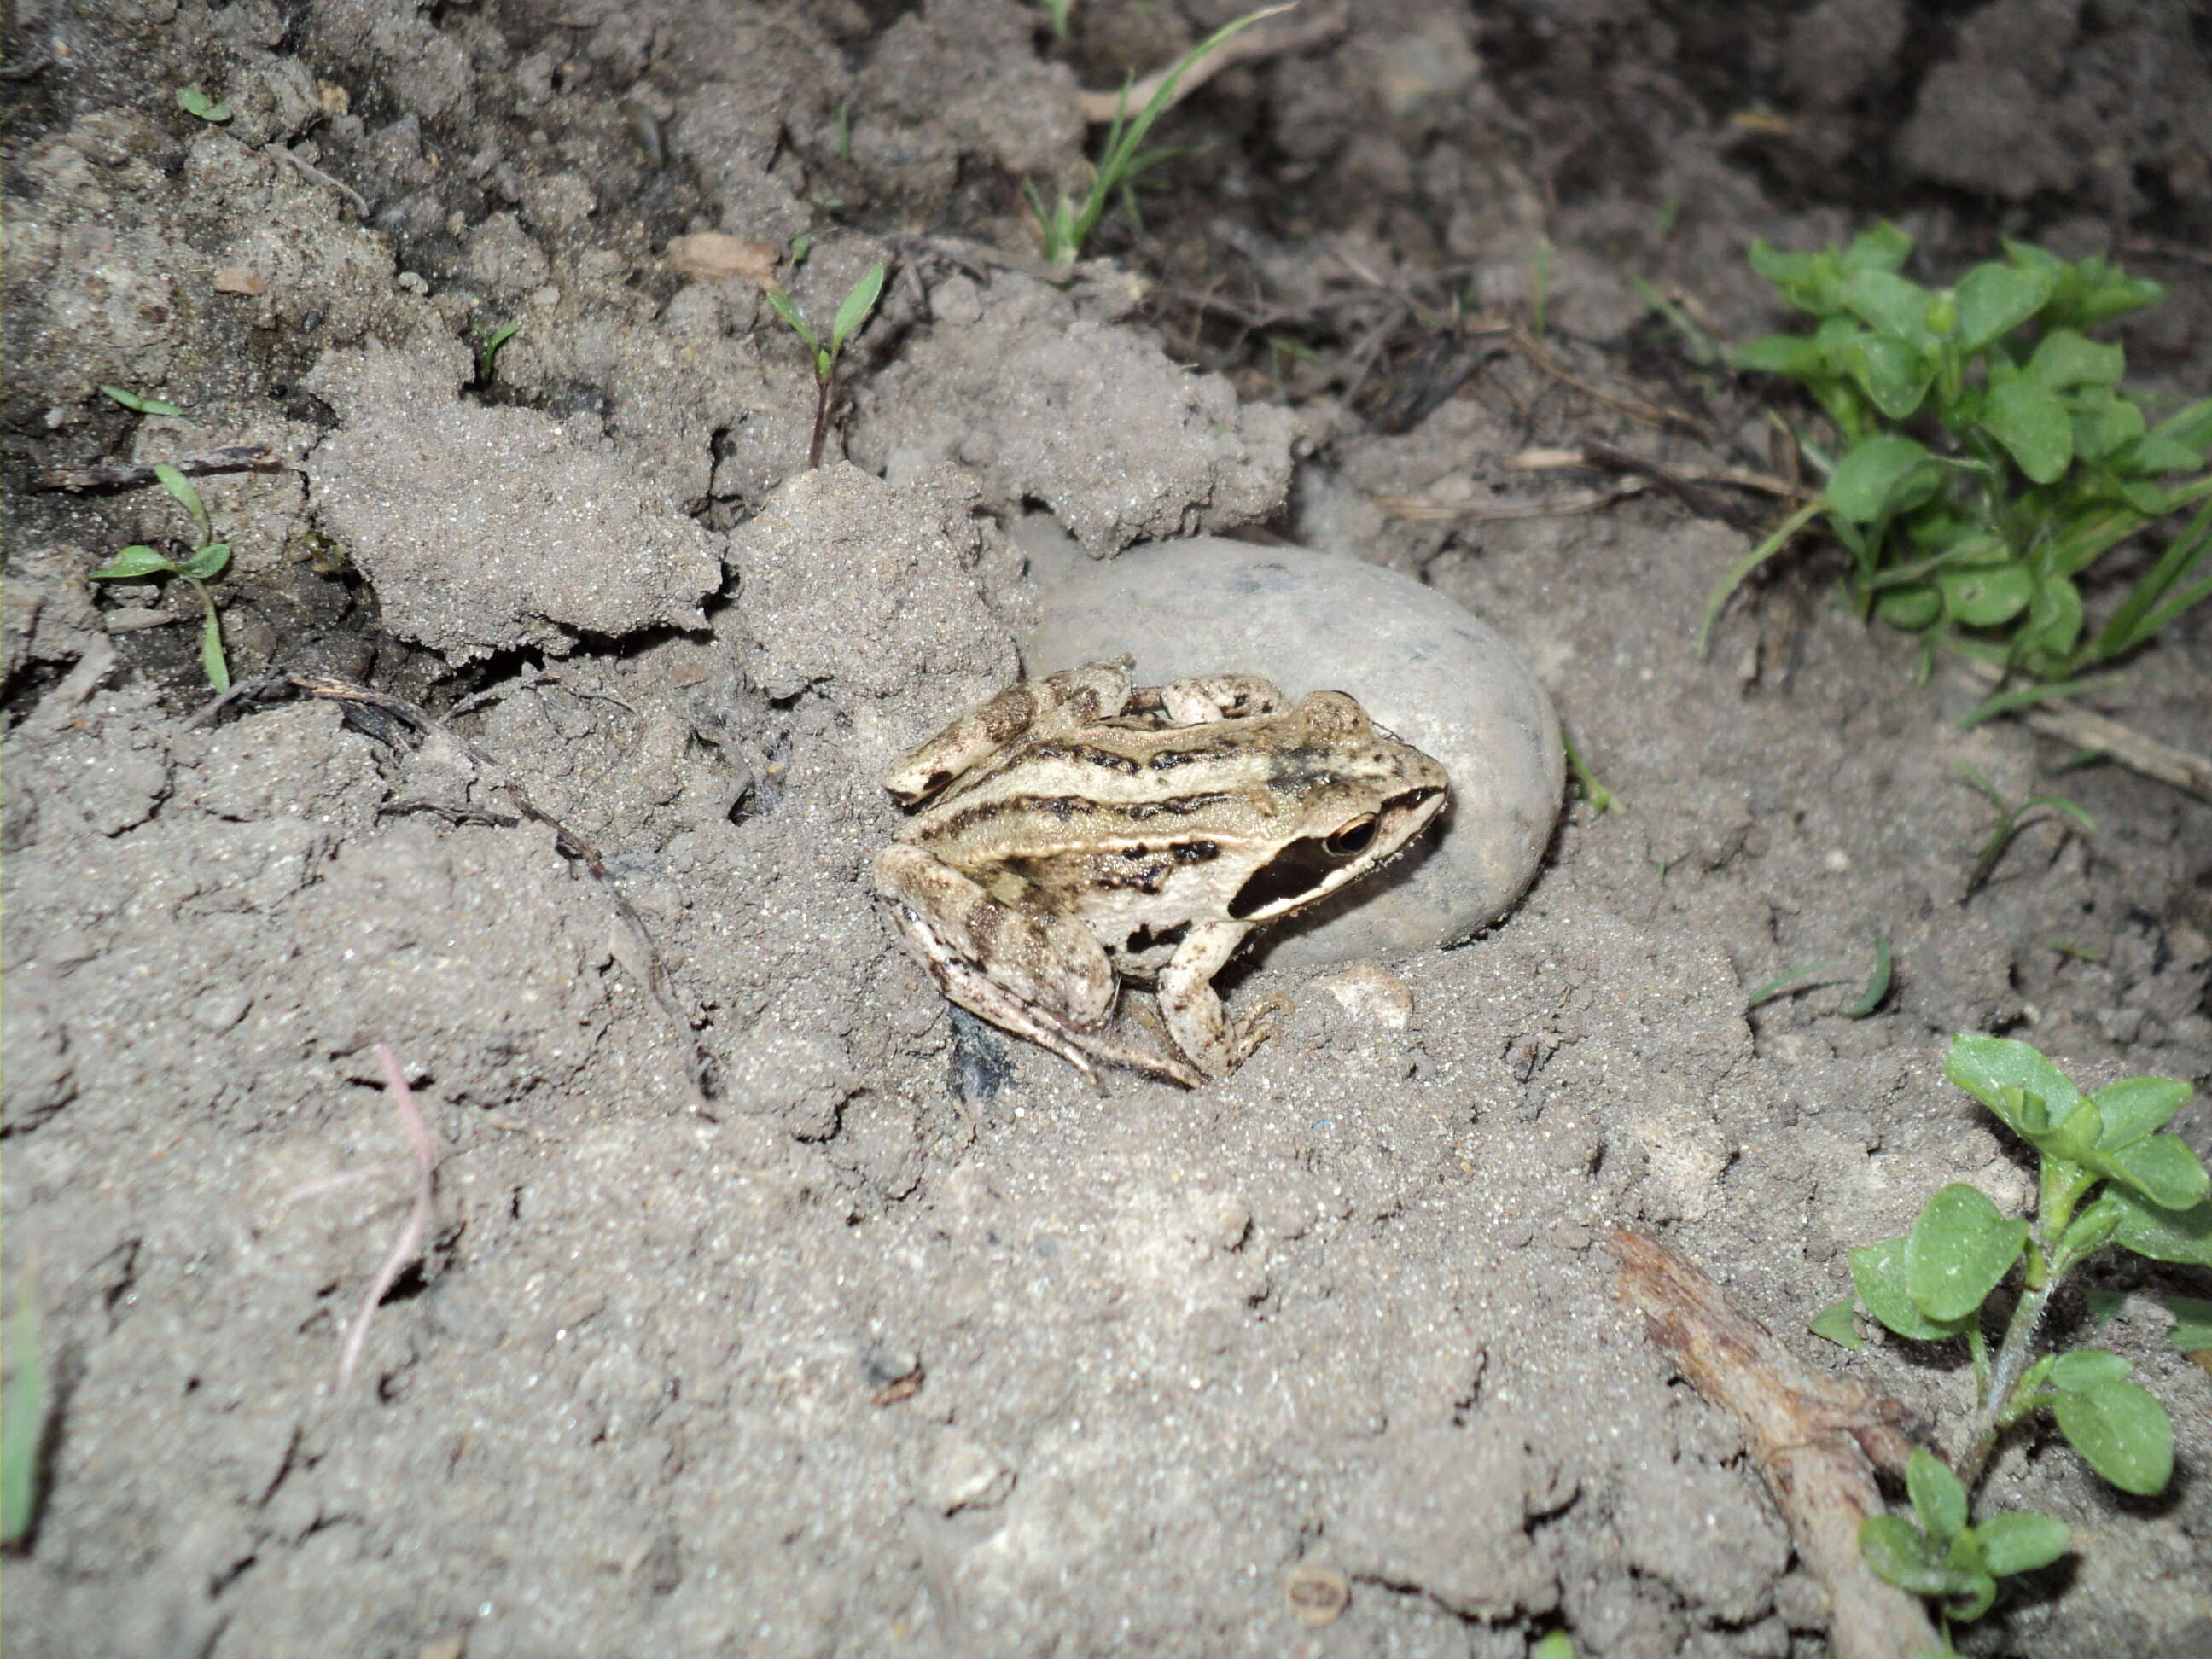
x,y
2029,696
1787,984
1751,562
1877,988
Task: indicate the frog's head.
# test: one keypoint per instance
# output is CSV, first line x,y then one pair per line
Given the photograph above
x,y
1355,796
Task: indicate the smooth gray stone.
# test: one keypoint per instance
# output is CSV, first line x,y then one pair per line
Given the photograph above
x,y
1421,665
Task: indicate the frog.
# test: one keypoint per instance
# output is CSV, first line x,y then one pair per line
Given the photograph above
x,y
1077,833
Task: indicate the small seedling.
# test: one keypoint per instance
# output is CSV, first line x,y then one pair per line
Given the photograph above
x,y
1065,224
2010,820
195,102
1808,978
860,300
1058,13
139,405
204,564
2107,1178
1989,455
488,341
22,1424
1601,800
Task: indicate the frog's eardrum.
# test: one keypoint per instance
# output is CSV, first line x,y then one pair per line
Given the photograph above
x,y
1440,678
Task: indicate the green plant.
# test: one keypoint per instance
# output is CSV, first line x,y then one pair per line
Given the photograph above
x,y
202,566
1066,224
1988,456
1601,800
488,341
137,404
193,101
1058,14
2107,1177
22,1423
2010,820
853,311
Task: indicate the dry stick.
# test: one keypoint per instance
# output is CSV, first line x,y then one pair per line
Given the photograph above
x,y
1642,475
408,1244
1264,40
1817,1439
2086,729
569,844
193,463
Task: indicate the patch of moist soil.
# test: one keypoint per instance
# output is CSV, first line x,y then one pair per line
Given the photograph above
x,y
846,1361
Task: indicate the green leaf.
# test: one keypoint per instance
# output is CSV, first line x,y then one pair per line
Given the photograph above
x,y
131,400
2064,359
1812,282
1983,598
2053,624
1938,1498
2153,457
2087,1233
2137,1106
1984,1066
1835,1322
1911,608
2191,428
781,302
1994,300
2021,1541
2121,1432
2104,425
187,498
1959,1249
1903,1555
213,663
2031,424
2162,1169
1878,1274
1876,476
208,561
1885,247
2085,1368
132,562
858,303
2102,1305
1798,356
2180,1235
2192,1324
195,102
1893,372
1877,986
1886,302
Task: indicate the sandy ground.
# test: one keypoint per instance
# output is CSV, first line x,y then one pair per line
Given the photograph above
x,y
822,1352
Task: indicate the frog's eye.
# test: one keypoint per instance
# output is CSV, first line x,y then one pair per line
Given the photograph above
x,y
1353,839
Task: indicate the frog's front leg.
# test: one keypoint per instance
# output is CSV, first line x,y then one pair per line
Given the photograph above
x,y
1041,977
1095,691
1217,1045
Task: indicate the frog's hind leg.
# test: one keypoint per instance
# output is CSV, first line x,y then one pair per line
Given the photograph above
x,y
1076,696
1047,979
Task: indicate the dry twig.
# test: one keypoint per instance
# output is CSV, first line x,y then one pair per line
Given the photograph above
x,y
2086,729
193,463
408,1245
1265,40
1817,1439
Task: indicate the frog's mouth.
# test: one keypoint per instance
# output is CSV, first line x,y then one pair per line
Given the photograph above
x,y
1315,865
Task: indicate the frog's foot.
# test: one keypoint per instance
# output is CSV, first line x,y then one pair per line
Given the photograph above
x,y
1216,1044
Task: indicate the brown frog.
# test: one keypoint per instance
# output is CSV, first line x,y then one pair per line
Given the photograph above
x,y
1076,832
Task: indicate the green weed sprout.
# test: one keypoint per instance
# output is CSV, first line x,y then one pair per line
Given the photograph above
x,y
206,562
853,311
2107,1177
193,101
488,341
137,404
1990,457
1065,224
2011,820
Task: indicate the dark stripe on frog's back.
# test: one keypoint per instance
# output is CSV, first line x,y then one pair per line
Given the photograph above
x,y
1056,817
1060,879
